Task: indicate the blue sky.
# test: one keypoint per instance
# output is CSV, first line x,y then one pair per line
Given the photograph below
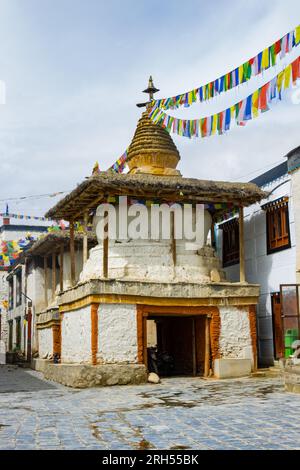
x,y
74,70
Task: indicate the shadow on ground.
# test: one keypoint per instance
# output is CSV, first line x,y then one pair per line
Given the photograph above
x,y
15,379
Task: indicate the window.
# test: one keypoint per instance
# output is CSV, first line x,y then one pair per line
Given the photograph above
x,y
231,245
19,287
278,227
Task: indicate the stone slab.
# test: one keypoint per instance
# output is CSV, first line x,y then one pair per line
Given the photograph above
x,y
229,368
85,375
292,379
219,293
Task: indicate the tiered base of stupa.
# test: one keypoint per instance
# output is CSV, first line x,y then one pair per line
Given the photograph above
x,y
108,326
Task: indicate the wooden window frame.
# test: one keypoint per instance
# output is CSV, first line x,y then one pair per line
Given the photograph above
x,y
234,225
270,212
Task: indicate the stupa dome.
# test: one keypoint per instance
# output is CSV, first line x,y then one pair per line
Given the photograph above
x,y
152,150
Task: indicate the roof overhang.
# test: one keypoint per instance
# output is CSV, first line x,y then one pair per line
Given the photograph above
x,y
96,189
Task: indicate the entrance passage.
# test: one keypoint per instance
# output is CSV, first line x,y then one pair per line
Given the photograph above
x,y
176,344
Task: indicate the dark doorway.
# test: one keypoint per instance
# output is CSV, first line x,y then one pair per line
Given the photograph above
x,y
10,335
180,344
18,333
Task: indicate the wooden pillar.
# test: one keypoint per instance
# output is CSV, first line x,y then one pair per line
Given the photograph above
x,y
72,252
45,281
242,246
61,269
85,238
173,240
105,247
53,274
207,347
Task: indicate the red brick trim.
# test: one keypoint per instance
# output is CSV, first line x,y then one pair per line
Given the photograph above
x,y
94,332
252,321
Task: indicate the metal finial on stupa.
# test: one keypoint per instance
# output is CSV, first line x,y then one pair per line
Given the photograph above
x,y
150,90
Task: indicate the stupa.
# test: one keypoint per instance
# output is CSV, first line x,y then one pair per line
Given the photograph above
x,y
154,303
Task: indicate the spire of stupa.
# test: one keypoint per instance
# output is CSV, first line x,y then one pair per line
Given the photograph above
x,y
152,149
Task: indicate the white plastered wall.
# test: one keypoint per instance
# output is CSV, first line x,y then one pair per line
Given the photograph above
x,y
76,336
45,342
235,338
117,333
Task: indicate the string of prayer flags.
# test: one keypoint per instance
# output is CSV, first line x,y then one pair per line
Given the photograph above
x,y
22,216
10,250
241,112
120,164
241,74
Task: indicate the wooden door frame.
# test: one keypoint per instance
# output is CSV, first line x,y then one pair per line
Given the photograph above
x,y
144,311
273,294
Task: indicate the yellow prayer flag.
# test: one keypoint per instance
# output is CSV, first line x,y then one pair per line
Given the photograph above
x,y
265,59
280,80
241,73
287,76
214,124
255,104
297,34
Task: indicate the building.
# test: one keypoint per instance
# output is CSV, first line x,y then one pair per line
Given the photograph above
x,y
135,293
35,280
272,238
13,239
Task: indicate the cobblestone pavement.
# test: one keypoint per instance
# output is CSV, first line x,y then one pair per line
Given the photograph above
x,y
179,413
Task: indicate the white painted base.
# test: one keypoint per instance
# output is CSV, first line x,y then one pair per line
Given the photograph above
x,y
76,336
45,342
117,333
230,368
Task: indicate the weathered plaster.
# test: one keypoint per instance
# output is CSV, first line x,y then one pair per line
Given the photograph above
x,y
76,336
235,337
117,333
45,342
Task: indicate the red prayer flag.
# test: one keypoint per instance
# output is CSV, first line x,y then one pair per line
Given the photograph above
x,y
262,101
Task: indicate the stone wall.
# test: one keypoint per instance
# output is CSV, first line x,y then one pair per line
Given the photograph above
x,y
117,333
45,342
235,336
76,336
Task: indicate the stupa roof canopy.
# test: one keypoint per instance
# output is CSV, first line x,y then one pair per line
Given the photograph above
x,y
51,242
95,189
